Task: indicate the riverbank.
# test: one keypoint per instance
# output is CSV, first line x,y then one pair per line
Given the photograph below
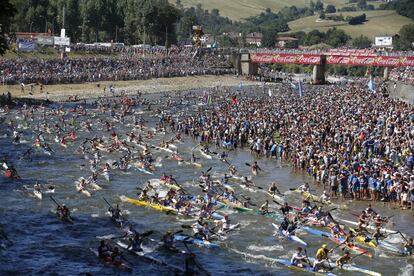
x,y
60,92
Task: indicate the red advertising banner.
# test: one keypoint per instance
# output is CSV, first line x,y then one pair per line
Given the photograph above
x,y
371,61
286,58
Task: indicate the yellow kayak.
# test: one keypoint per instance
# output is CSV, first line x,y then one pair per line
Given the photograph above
x,y
148,204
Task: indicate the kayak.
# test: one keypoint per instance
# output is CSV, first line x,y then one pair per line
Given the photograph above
x,y
366,240
273,215
349,267
352,247
105,174
304,269
195,241
233,205
148,204
289,236
231,228
9,174
247,188
336,240
108,261
205,154
170,185
148,257
370,227
145,171
276,197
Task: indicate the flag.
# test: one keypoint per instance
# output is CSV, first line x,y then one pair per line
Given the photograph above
x,y
234,100
371,85
300,89
241,85
209,100
270,92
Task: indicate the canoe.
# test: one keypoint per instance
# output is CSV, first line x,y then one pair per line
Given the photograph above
x,y
349,267
123,265
308,269
290,237
195,241
148,204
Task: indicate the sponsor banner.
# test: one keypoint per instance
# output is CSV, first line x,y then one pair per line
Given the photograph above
x,y
353,52
62,41
286,58
26,46
45,40
370,61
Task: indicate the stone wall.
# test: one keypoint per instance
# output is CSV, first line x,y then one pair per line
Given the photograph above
x,y
401,91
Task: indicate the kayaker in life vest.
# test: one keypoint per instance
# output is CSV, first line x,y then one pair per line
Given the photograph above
x,y
343,259
168,240
325,198
321,257
349,239
247,182
285,209
363,217
115,212
409,247
255,168
135,243
116,256
265,207
273,189
104,250
63,211
225,224
298,258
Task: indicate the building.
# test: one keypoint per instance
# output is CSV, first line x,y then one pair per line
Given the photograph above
x,y
287,42
207,40
254,39
384,42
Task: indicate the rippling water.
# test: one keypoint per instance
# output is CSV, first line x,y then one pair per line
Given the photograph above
x,y
41,244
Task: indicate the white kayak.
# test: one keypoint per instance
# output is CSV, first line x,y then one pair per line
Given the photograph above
x,y
370,227
105,174
290,237
205,154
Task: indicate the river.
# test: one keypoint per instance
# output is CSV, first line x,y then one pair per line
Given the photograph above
x,y
42,244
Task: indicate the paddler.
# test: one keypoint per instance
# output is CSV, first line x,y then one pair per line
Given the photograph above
x,y
116,256
104,250
135,243
325,198
273,189
247,182
143,195
225,224
409,247
363,218
265,207
285,209
115,212
168,240
349,239
377,235
321,257
343,259
298,258
255,168
232,170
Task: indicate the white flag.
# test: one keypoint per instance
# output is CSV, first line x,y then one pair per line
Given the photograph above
x,y
270,92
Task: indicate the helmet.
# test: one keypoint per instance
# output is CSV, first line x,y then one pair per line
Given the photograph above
x,y
324,246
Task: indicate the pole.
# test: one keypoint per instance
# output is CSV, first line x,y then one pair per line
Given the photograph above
x,y
30,27
63,15
116,33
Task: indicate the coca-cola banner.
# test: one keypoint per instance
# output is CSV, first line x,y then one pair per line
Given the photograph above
x,y
286,58
356,60
371,61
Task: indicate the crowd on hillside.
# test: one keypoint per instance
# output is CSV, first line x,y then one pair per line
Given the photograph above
x,y
357,144
403,74
153,65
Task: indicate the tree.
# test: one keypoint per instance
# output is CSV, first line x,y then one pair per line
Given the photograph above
x,y
361,42
406,39
268,39
322,15
362,4
405,8
7,11
318,5
330,9
336,37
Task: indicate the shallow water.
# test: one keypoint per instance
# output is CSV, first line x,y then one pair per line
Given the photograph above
x,y
41,244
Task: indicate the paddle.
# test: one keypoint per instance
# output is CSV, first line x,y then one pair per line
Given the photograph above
x,y
307,258
403,236
195,262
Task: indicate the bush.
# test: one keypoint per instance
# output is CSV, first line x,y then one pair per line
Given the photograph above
x,y
357,19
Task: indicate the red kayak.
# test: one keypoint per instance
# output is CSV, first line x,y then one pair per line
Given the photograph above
x,y
353,247
10,174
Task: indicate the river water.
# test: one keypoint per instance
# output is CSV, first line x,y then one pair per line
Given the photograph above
x,y
41,244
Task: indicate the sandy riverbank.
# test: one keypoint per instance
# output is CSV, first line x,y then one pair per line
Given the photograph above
x,y
95,90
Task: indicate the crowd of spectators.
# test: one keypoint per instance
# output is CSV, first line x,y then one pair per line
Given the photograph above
x,y
403,74
141,65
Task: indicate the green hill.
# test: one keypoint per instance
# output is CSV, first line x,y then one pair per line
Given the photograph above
x,y
379,23
239,9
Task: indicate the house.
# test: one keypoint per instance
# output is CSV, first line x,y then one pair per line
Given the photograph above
x,y
287,42
254,39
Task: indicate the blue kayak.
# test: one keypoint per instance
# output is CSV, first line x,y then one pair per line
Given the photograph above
x,y
196,241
